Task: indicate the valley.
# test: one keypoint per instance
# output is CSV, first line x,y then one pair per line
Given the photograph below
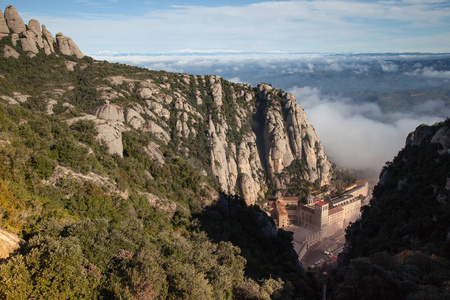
x,y
121,182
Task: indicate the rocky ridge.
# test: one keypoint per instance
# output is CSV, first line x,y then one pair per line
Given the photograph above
x,y
246,138
32,37
246,152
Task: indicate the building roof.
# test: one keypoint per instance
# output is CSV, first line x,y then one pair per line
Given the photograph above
x,y
321,203
281,209
289,198
335,210
349,187
342,198
307,208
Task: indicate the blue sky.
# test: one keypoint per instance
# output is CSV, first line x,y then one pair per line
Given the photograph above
x,y
327,26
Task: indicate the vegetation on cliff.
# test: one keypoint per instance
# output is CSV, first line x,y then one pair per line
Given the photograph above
x,y
400,249
131,225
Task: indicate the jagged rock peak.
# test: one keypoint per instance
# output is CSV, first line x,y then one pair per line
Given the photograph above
x,y
4,29
13,19
67,46
35,26
33,37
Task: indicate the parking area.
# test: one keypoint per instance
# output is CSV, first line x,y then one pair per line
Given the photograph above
x,y
319,253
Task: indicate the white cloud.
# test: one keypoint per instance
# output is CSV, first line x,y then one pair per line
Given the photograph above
x,y
359,136
430,72
388,67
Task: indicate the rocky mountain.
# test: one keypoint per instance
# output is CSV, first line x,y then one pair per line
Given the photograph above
x,y
402,242
118,182
244,137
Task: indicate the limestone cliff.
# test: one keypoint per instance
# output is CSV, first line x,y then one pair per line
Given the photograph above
x,y
246,138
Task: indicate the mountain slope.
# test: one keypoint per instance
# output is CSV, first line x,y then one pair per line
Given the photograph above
x,y
113,176
242,136
401,245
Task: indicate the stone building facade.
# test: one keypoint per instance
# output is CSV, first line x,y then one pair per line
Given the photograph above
x,y
328,217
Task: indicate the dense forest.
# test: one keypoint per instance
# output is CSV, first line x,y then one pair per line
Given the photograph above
x,y
400,248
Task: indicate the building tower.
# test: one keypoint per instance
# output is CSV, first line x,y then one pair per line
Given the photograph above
x,y
321,215
310,199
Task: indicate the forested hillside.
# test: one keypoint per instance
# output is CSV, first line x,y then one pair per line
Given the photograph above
x,y
400,249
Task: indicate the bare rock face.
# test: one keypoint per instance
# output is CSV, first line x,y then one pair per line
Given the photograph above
x,y
10,100
134,119
109,131
289,136
9,242
10,51
216,87
425,134
442,137
48,43
159,132
110,112
111,134
251,180
14,21
223,166
154,153
35,26
67,46
14,39
28,41
4,30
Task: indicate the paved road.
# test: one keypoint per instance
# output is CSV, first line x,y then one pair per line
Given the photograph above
x,y
316,253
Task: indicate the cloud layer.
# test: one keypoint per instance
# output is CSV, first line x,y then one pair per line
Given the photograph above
x,y
361,136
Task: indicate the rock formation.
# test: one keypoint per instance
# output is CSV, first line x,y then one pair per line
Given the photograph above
x,y
289,136
14,21
110,112
67,46
256,157
4,30
32,38
9,242
10,51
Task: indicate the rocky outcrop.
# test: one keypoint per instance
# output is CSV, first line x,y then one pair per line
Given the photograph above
x,y
216,88
9,242
134,119
154,153
28,41
49,41
10,51
289,136
109,131
425,134
223,166
32,38
110,112
67,46
13,20
4,30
